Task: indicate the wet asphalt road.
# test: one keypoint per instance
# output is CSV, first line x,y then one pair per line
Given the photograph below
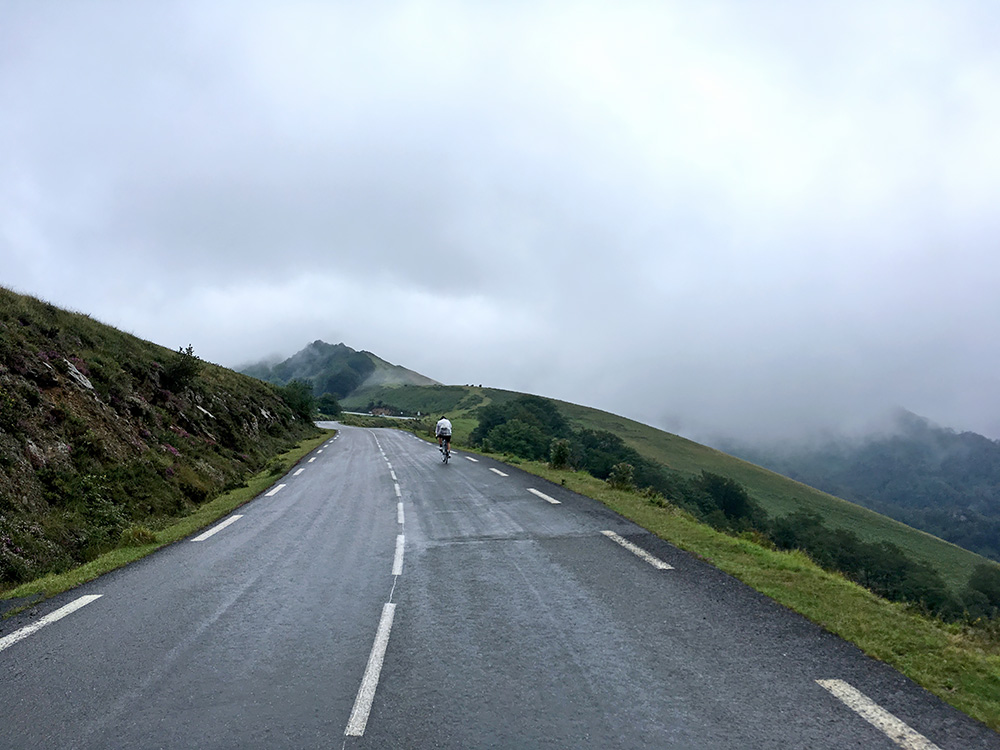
x,y
380,599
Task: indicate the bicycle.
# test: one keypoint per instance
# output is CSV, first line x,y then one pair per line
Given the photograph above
x,y
445,451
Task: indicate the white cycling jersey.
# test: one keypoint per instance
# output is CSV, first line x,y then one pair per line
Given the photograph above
x,y
443,428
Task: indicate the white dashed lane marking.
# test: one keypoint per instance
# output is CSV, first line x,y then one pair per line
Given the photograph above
x,y
216,529
543,496
497,471
638,551
298,472
275,491
397,561
366,693
19,635
474,460
874,714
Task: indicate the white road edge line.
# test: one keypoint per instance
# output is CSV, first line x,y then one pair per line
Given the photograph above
x,y
366,693
19,635
638,551
874,714
298,472
392,474
275,491
398,493
474,460
312,459
497,471
320,450
397,562
217,529
399,512
544,496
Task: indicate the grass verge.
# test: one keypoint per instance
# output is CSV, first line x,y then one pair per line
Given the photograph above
x,y
958,663
207,514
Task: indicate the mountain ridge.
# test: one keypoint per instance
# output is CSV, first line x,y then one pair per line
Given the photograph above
x,y
930,477
336,369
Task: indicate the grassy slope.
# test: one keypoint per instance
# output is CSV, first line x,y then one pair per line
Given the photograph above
x,y
102,433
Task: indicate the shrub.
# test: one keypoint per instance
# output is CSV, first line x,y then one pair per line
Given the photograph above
x,y
328,405
299,396
520,439
622,477
560,451
181,370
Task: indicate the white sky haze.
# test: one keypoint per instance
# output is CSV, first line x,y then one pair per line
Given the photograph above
x,y
719,217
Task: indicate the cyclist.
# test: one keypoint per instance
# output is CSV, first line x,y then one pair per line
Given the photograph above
x,y
443,433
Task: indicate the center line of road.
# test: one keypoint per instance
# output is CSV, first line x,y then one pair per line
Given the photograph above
x,y
217,529
275,491
399,512
312,459
298,472
18,635
638,551
397,562
497,471
366,693
874,714
393,475
544,496
474,460
398,493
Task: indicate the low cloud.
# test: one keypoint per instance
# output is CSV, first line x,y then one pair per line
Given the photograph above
x,y
710,218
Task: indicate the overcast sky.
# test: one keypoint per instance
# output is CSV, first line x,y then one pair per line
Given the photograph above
x,y
715,216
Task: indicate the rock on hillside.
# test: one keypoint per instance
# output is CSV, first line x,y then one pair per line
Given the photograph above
x,y
100,431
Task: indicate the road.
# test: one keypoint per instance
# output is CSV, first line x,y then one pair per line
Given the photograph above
x,y
377,598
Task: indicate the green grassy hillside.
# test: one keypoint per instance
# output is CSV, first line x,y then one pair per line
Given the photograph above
x,y
777,495
105,438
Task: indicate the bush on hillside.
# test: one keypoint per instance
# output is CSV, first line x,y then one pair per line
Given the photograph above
x,y
982,594
180,370
328,405
882,568
560,452
299,397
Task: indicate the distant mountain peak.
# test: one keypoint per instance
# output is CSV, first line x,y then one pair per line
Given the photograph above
x,y
336,369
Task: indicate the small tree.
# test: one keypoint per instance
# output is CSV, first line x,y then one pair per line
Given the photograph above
x,y
328,405
181,370
622,477
299,397
559,453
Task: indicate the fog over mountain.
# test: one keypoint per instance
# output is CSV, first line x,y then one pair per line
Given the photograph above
x,y
759,219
